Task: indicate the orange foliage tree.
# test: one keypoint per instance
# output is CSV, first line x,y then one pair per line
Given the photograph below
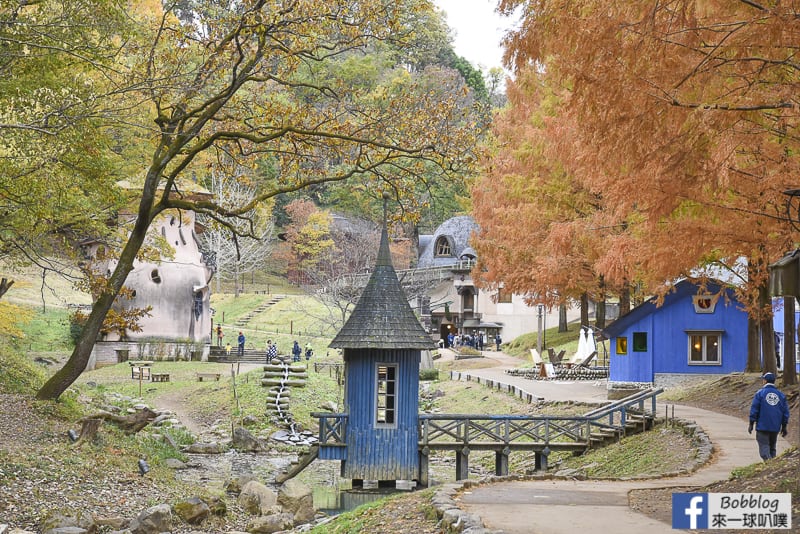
x,y
680,117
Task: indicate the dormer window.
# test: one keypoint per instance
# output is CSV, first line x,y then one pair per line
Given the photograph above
x,y
704,303
443,247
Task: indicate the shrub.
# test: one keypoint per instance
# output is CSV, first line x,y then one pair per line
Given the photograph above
x,y
429,374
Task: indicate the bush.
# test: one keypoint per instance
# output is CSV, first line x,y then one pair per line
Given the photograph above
x,y
19,375
429,374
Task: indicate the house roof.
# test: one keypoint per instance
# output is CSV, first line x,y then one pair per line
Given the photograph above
x,y
683,289
457,230
382,318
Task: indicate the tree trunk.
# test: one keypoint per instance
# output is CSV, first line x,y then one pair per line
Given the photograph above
x,y
600,305
562,318
789,336
767,332
76,364
129,424
584,309
753,346
89,428
5,285
625,299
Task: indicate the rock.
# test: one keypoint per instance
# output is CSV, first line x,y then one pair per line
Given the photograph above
x,y
235,485
160,419
192,510
153,520
56,522
216,505
250,420
114,522
205,448
243,440
257,499
270,523
174,463
330,406
297,498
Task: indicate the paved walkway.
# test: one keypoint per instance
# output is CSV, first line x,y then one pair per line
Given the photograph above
x,y
565,506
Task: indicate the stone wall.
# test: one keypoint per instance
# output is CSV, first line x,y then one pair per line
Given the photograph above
x,y
112,352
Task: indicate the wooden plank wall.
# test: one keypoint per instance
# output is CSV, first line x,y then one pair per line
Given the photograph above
x,y
381,453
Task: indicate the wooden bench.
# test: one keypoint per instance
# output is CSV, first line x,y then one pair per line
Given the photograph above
x,y
201,376
159,377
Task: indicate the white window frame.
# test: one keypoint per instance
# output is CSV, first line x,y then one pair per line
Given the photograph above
x,y
705,337
383,396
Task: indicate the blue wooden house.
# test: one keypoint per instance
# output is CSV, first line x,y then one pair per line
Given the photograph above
x,y
690,333
382,342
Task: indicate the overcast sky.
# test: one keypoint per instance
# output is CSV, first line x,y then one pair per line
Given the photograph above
x,y
478,30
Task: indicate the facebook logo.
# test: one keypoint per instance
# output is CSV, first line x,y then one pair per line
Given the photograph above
x,y
690,510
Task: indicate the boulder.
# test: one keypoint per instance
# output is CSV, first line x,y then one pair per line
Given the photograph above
x,y
192,510
205,448
153,520
55,523
243,440
297,498
257,499
270,523
235,485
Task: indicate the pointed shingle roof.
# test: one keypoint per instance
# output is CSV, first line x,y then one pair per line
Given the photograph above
x,y
383,319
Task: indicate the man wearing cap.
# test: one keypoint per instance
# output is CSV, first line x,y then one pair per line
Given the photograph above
x,y
769,413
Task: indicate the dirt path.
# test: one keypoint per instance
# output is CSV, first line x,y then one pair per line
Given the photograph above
x,y
177,402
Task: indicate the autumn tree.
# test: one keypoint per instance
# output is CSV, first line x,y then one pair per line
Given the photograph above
x,y
682,114
56,178
255,80
536,237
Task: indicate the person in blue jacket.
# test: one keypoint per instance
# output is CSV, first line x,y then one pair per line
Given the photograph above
x,y
769,413
296,351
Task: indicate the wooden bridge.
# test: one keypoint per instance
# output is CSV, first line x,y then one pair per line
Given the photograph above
x,y
504,434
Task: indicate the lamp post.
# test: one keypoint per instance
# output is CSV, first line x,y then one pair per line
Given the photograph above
x,y
539,316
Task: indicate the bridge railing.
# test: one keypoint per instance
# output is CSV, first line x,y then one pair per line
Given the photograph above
x,y
454,431
332,428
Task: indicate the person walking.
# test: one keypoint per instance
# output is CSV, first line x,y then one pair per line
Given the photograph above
x,y
219,335
241,344
296,351
497,341
309,351
769,414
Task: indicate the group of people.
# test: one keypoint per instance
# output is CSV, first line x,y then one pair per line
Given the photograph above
x,y
271,350
476,341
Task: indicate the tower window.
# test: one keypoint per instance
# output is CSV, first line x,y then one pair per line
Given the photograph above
x,y
386,395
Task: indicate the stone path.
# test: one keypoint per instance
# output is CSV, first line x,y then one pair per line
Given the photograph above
x,y
567,506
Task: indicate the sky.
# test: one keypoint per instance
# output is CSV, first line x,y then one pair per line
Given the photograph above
x,y
478,30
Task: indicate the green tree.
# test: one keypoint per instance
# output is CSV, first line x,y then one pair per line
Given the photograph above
x,y
245,79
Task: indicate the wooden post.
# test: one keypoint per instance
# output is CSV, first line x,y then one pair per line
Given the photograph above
x,y
501,462
462,464
424,461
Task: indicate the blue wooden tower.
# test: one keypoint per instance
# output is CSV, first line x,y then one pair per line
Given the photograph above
x,y
382,342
